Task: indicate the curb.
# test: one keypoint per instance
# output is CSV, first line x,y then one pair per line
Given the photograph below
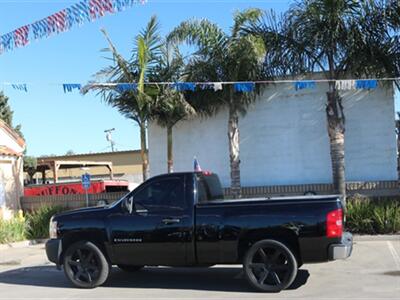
x,y
376,238
22,244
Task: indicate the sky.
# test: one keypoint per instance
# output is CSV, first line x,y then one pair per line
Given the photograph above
x,y
54,122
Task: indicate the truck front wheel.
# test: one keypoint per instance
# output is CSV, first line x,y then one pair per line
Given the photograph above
x,y
269,266
85,265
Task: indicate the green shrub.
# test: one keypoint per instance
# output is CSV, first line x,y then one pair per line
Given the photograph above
x,y
13,230
366,216
38,221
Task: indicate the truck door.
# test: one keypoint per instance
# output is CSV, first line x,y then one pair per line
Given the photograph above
x,y
159,229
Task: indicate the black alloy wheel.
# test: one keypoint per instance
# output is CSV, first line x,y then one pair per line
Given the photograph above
x,y
270,266
85,265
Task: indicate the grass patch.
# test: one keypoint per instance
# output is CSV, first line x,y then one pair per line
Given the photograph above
x,y
39,219
13,230
367,216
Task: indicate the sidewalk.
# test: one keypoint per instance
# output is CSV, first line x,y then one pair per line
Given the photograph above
x,y
379,237
22,256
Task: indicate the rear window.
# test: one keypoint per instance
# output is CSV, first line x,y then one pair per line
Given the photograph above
x,y
209,188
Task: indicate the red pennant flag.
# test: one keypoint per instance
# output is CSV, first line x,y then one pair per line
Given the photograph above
x,y
56,22
21,36
98,8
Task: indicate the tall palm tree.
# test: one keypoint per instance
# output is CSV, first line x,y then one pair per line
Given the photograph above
x,y
171,106
338,38
133,104
222,57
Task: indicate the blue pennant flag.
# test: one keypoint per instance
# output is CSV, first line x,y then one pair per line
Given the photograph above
x,y
120,5
20,87
68,87
39,29
244,87
300,85
7,41
366,84
70,17
81,12
123,87
206,86
184,86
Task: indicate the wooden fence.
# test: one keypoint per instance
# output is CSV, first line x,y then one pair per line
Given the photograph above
x,y
68,201
371,188
368,188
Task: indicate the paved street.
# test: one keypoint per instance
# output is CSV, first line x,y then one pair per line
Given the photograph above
x,y
372,272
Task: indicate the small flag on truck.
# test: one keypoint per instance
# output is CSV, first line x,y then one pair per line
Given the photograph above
x,y
196,165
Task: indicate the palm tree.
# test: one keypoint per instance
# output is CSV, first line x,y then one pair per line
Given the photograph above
x,y
171,106
222,57
337,38
133,104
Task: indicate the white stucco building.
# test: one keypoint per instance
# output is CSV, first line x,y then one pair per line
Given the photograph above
x,y
11,167
284,140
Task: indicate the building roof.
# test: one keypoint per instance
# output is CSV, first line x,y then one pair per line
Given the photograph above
x,y
4,150
12,133
59,157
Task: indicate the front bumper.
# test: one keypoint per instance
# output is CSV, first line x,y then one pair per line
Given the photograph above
x,y
343,249
53,251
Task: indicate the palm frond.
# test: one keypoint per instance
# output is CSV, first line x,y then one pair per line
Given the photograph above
x,y
119,60
208,38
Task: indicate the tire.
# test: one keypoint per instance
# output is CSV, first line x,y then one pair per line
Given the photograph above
x,y
130,268
269,266
85,265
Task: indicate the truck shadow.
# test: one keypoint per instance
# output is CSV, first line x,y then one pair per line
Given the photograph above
x,y
227,279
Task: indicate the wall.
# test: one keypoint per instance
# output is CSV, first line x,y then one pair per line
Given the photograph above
x,y
11,179
11,168
284,139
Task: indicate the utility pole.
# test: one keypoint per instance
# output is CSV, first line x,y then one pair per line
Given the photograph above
x,y
109,137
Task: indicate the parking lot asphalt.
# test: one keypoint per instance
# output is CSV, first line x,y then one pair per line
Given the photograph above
x,y
372,272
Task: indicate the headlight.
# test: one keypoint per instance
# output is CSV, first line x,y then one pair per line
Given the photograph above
x,y
53,229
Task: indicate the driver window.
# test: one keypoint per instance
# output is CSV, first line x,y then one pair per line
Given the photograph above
x,y
161,195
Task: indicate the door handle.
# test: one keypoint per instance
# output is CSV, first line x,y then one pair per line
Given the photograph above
x,y
169,221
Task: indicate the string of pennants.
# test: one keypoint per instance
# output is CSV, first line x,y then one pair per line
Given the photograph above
x,y
240,87
64,20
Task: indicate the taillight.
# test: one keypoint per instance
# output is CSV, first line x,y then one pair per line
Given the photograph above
x,y
334,223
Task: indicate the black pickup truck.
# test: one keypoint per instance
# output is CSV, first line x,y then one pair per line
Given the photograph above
x,y
181,219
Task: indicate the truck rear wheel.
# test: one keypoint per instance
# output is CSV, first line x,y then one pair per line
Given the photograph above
x,y
85,265
269,266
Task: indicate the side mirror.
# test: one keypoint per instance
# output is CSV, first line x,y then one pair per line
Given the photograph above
x,y
102,202
127,204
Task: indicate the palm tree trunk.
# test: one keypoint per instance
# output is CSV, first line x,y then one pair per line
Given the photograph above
x,y
169,150
233,135
143,151
336,129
